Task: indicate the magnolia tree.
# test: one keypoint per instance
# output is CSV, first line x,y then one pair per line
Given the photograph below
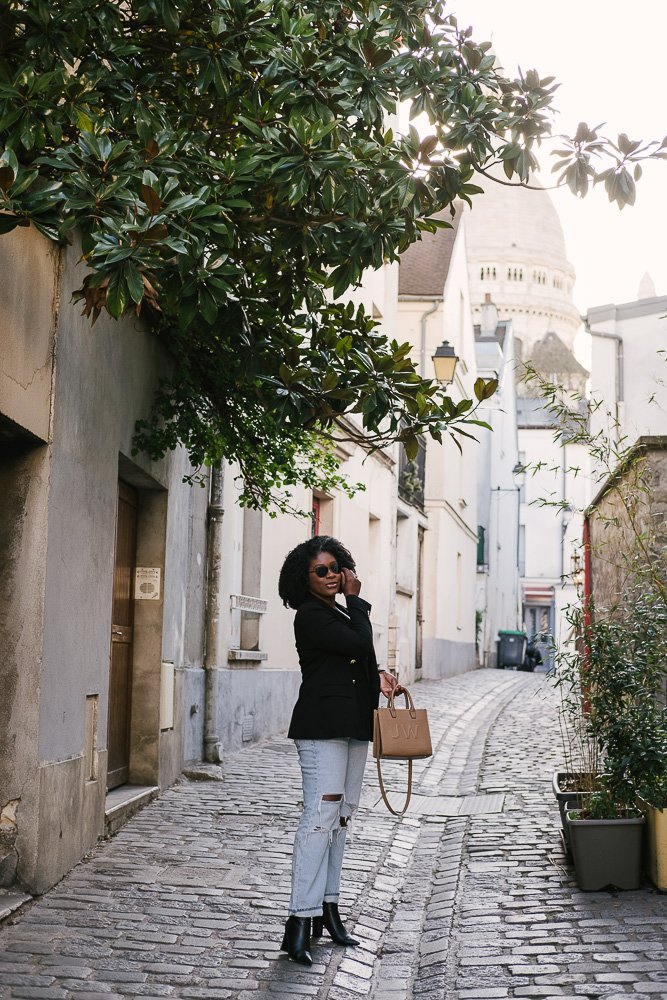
x,y
228,169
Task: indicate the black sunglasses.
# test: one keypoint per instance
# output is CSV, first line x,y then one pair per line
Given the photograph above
x,y
323,571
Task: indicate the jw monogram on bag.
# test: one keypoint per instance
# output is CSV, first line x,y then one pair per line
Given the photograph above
x,y
400,734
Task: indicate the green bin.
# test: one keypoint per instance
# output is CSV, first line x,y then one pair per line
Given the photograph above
x,y
511,648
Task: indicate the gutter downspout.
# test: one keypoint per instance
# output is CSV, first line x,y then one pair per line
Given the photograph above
x,y
422,340
436,300
212,621
563,520
619,362
518,600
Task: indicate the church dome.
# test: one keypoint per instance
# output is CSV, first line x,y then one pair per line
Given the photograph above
x,y
519,218
516,254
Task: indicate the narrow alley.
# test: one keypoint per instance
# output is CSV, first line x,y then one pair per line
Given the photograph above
x,y
467,898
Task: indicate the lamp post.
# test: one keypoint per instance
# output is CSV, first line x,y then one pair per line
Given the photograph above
x,y
444,362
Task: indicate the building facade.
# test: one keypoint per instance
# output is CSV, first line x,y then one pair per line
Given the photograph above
x,y
103,569
629,368
517,257
499,490
434,305
140,620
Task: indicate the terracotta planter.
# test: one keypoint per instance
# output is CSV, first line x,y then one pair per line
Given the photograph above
x,y
605,851
656,828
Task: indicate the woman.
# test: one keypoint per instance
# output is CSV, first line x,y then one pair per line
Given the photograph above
x,y
332,724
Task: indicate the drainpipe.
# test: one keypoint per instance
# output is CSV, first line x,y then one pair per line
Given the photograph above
x,y
213,616
563,510
422,339
436,300
619,363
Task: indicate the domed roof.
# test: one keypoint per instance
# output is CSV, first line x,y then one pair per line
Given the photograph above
x,y
514,222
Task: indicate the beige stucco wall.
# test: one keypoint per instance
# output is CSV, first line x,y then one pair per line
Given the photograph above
x,y
451,481
28,313
80,390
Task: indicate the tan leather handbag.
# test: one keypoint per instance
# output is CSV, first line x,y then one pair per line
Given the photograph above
x,y
400,734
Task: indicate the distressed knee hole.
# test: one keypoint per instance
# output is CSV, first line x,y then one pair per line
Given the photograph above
x,y
329,814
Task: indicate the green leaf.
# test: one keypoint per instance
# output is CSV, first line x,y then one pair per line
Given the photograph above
x,y
170,16
9,158
117,294
8,222
411,445
135,283
84,121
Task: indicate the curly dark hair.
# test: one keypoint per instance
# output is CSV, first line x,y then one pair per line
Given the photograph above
x,y
293,580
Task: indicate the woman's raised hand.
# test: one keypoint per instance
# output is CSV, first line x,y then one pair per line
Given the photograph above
x,y
388,683
351,583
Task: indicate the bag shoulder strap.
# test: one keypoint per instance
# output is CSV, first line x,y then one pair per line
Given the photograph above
x,y
408,795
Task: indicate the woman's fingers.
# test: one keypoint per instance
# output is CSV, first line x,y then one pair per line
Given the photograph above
x,y
351,582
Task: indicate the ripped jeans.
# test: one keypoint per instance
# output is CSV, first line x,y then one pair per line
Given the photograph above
x,y
335,769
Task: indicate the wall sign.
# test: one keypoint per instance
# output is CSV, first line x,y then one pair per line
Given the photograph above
x,y
147,583
242,602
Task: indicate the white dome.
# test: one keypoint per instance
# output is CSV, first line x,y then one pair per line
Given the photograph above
x,y
516,254
515,218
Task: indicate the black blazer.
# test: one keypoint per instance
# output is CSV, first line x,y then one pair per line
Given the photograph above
x,y
340,684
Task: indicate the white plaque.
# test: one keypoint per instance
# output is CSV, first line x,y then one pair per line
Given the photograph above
x,y
244,603
147,583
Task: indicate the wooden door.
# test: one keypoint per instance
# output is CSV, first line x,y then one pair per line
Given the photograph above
x,y
122,617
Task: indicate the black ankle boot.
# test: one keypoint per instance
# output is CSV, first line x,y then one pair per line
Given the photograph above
x,y
296,940
331,920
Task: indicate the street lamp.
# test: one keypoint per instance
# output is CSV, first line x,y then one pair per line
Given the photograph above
x,y
444,362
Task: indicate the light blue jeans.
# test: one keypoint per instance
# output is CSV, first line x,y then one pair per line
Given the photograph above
x,y
328,767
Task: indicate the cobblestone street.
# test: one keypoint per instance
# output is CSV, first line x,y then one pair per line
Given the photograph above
x,y
467,898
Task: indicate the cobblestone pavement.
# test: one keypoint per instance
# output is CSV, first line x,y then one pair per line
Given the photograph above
x,y
467,898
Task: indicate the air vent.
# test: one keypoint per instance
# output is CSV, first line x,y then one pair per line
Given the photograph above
x,y
248,729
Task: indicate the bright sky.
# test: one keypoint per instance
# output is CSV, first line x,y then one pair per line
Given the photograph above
x,y
609,58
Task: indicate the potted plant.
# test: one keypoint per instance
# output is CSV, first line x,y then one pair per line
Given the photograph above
x,y
620,665
605,839
579,774
615,671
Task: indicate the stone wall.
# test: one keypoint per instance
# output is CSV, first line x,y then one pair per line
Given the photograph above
x,y
627,521
69,399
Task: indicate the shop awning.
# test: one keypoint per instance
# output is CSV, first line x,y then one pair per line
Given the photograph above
x,y
537,594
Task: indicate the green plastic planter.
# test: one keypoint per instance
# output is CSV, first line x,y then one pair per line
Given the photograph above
x,y
568,799
605,851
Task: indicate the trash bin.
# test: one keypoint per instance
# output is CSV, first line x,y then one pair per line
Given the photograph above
x,y
511,649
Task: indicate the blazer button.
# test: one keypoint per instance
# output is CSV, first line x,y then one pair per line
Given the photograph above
x,y
354,682
353,662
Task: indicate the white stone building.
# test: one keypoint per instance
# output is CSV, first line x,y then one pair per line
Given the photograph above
x,y
517,256
629,366
434,305
498,598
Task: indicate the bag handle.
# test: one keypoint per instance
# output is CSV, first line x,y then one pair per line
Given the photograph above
x,y
409,704
408,795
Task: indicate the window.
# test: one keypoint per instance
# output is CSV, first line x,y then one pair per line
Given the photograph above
x,y
411,474
321,515
481,545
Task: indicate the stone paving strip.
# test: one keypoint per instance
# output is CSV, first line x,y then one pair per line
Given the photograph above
x,y
469,897
522,928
